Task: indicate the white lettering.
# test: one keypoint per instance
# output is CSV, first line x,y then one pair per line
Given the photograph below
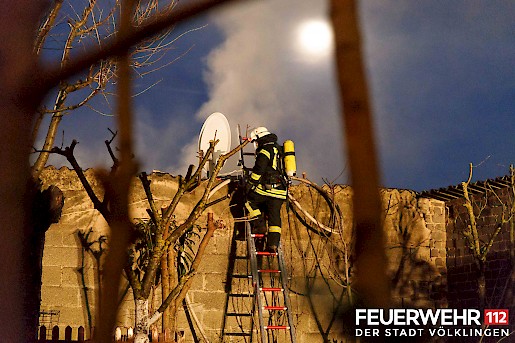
x,y
399,316
390,318
473,316
429,314
418,317
463,318
366,332
411,317
373,316
361,313
446,317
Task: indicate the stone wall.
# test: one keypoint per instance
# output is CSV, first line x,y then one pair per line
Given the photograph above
x,y
463,273
318,263
416,239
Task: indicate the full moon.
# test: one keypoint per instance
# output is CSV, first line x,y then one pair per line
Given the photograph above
x,y
315,38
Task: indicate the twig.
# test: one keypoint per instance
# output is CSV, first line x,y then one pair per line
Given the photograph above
x,y
123,42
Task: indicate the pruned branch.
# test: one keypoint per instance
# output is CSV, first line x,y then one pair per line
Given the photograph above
x,y
90,23
68,152
474,243
145,182
200,206
116,162
185,185
47,25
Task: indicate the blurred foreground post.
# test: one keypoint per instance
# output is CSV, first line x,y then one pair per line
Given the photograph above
x,y
372,284
19,98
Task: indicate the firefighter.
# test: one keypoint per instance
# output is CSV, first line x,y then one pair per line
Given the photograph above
x,y
266,188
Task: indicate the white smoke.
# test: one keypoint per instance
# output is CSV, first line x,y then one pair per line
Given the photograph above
x,y
259,77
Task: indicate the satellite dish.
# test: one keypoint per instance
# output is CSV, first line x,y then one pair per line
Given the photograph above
x,y
217,127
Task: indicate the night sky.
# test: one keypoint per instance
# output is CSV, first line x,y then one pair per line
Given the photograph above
x,y
441,77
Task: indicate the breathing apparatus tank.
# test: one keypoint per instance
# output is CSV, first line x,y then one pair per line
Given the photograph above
x,y
290,165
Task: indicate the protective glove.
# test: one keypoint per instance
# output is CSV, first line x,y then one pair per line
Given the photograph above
x,y
250,186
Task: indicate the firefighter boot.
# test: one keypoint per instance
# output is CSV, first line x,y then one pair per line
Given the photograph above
x,y
272,242
258,225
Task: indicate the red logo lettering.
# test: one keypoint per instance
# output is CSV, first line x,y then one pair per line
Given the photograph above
x,y
496,317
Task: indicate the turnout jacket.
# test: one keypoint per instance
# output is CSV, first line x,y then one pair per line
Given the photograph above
x,y
266,177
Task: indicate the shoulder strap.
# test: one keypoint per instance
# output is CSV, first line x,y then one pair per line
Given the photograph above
x,y
279,158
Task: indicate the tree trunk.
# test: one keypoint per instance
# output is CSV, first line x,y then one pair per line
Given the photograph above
x,y
142,328
42,159
481,286
165,290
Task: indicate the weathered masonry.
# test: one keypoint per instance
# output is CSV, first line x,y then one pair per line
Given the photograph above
x,y
493,204
320,265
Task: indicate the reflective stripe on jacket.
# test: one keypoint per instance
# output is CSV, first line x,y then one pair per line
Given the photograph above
x,y
266,167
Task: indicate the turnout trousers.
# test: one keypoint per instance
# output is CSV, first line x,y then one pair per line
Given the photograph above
x,y
264,208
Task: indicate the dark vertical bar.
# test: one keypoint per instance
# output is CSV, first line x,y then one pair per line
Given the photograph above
x,y
370,263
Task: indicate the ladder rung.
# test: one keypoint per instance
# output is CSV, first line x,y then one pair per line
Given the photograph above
x,y
240,257
234,314
249,154
241,276
269,271
271,289
257,235
238,334
275,308
266,253
241,295
277,327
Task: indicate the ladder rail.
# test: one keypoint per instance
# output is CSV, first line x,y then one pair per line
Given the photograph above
x,y
239,309
259,290
255,280
230,268
284,282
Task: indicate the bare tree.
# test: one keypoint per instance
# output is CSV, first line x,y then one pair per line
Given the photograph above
x,y
72,26
96,248
157,235
474,232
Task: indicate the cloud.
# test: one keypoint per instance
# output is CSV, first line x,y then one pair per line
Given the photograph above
x,y
259,77
441,80
160,138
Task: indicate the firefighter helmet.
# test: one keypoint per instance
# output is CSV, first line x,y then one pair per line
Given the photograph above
x,y
258,133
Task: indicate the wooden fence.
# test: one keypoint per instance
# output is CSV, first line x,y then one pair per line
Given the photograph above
x,y
42,337
121,335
